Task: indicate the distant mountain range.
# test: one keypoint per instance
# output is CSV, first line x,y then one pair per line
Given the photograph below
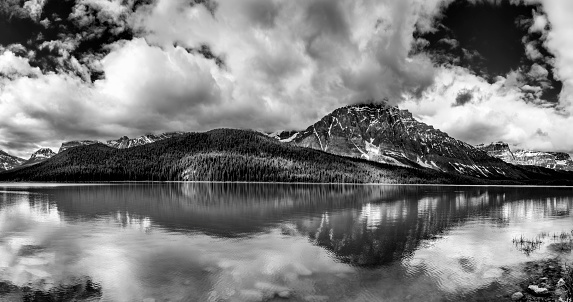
x,y
39,156
123,142
359,143
552,160
218,155
8,162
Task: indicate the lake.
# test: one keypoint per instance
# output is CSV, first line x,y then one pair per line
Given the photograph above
x,y
272,242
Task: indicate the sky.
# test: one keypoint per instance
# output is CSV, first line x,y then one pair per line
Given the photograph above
x,y
479,70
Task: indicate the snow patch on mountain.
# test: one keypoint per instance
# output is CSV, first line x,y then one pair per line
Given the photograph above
x,y
42,154
125,142
552,160
71,144
386,134
8,162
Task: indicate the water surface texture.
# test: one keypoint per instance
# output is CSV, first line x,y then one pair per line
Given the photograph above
x,y
271,242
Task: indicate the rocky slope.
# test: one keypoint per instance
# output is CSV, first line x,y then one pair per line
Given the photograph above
x,y
284,136
40,156
8,161
552,160
498,149
71,144
386,134
123,142
126,142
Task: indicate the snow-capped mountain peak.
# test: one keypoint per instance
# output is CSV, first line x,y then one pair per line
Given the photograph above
x,y
126,142
43,153
8,161
552,160
386,134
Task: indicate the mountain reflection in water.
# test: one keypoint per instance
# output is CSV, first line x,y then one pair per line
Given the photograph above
x,y
209,241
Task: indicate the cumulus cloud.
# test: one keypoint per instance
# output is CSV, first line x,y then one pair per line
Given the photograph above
x,y
270,65
195,65
532,52
500,114
539,23
13,67
538,72
146,89
34,7
559,42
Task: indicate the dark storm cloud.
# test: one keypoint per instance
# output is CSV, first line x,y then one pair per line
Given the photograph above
x,y
262,13
475,132
464,96
326,20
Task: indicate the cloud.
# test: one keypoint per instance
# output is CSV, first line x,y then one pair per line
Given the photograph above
x,y
34,7
132,67
538,72
499,114
452,43
146,89
559,42
539,23
532,52
13,67
464,96
270,65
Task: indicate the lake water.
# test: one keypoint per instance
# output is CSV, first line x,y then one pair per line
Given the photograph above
x,y
254,242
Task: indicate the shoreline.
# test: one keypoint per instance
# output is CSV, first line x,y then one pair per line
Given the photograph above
x,y
285,183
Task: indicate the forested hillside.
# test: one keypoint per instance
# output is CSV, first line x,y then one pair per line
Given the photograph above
x,y
219,155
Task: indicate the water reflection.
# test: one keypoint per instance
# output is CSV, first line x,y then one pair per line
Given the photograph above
x,y
211,242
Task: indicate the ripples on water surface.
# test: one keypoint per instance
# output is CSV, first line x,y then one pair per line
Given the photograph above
x,y
254,242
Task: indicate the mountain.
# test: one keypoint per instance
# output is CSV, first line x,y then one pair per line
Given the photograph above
x,y
552,160
219,155
126,142
498,149
40,156
8,161
284,136
123,142
71,144
386,134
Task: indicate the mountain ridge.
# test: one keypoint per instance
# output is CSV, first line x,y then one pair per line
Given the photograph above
x,y
551,160
8,161
218,155
386,134
40,155
376,139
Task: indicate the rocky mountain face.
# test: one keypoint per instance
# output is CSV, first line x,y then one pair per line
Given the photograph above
x,y
552,160
43,153
123,142
386,134
498,149
8,161
67,145
126,142
40,156
284,136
